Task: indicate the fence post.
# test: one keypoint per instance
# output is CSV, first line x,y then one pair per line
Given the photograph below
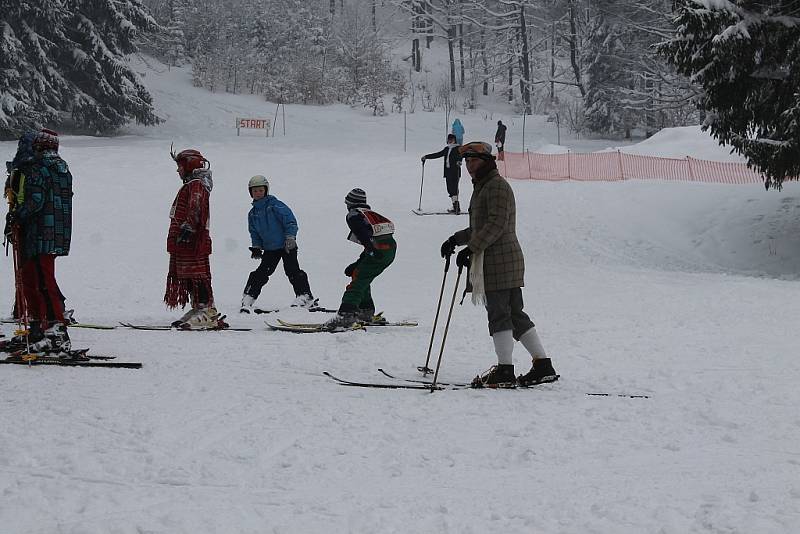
x,y
528,157
569,166
691,171
619,159
404,131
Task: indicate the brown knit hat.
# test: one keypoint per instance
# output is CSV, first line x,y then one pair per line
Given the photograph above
x,y
476,149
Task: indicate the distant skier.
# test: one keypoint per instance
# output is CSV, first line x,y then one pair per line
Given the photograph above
x,y
500,139
189,245
375,233
458,131
497,270
273,234
452,169
40,220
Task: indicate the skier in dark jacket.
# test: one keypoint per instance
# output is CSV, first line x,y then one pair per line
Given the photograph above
x,y
452,169
375,233
500,139
42,216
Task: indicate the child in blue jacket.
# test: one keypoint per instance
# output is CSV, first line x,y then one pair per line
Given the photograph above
x,y
273,232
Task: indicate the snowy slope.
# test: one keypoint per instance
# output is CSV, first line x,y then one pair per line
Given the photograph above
x,y
684,292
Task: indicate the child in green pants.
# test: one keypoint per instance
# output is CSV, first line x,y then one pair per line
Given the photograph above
x,y
375,233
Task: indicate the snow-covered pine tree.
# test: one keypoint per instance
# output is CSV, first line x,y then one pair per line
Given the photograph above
x,y
628,86
746,56
62,64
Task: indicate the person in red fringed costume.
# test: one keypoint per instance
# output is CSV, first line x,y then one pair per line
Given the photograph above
x,y
189,245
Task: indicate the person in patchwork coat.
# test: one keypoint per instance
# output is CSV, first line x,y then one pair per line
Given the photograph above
x,y
41,221
496,269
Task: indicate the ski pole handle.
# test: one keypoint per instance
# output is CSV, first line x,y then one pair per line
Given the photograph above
x,y
447,262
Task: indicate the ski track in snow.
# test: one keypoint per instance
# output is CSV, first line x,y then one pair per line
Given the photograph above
x,y
684,292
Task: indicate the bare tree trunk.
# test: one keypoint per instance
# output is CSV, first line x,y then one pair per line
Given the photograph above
x,y
461,50
526,70
333,8
451,31
485,63
428,27
552,62
510,83
374,17
573,49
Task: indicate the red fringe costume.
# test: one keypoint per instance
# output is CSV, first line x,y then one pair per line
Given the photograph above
x,y
189,277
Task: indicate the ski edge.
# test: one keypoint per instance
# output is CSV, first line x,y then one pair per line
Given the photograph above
x,y
344,382
79,363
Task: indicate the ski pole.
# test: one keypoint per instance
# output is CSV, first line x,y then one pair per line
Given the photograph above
x,y
425,370
421,183
446,328
20,304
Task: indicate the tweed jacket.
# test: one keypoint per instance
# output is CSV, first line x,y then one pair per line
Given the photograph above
x,y
492,229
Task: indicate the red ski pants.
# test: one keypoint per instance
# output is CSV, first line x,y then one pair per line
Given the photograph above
x,y
40,289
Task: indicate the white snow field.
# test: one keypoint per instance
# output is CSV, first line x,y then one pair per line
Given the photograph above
x,y
687,293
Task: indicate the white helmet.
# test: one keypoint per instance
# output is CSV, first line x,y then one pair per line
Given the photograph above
x,y
258,181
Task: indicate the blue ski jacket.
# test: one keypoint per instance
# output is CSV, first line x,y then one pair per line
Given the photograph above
x,y
270,221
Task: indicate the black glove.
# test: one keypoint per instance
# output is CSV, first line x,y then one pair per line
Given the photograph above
x,y
423,160
186,233
11,220
350,269
463,257
256,253
448,247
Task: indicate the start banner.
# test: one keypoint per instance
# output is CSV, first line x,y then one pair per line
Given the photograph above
x,y
252,124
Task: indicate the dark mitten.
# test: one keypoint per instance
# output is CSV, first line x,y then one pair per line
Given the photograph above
x,y
256,253
186,233
448,247
463,257
350,269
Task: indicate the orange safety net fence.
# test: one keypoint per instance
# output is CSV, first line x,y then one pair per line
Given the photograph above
x,y
615,166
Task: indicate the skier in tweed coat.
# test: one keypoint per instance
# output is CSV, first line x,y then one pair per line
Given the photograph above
x,y
496,266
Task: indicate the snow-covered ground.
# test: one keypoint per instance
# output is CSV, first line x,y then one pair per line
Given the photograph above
x,y
687,293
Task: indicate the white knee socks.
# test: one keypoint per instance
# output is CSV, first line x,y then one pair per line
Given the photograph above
x,y
504,346
530,340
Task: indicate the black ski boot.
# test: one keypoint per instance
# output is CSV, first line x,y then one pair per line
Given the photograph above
x,y
55,340
542,371
21,342
496,376
340,322
366,315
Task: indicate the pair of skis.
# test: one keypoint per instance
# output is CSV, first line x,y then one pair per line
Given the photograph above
x,y
73,358
311,328
420,384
